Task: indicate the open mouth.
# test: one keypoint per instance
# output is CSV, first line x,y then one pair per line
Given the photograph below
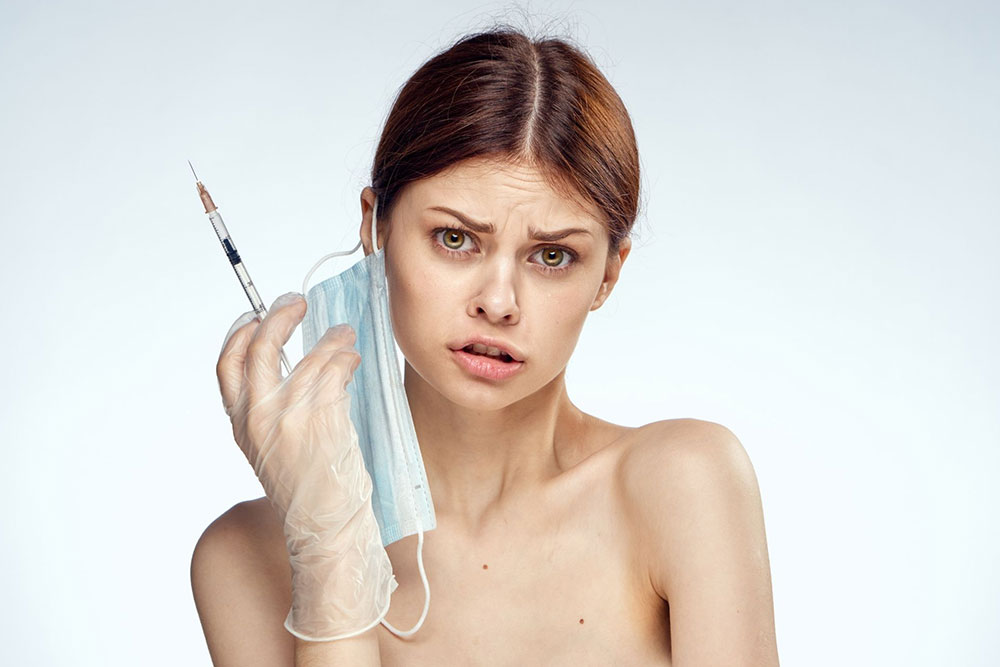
x,y
502,356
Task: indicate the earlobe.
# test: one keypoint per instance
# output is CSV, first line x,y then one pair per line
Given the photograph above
x,y
599,300
602,295
611,273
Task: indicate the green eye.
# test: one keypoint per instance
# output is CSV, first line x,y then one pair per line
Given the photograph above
x,y
452,240
453,236
553,254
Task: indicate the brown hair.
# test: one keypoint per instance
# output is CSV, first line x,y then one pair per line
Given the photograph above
x,y
503,95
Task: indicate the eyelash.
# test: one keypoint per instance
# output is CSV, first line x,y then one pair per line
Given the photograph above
x,y
547,269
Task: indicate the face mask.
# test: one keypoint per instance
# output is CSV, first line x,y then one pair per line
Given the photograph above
x,y
401,497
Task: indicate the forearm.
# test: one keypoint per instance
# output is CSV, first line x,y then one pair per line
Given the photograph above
x,y
360,651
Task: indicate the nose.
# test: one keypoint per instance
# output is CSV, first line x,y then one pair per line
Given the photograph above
x,y
496,297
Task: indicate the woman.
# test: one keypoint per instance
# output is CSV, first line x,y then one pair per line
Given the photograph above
x,y
561,538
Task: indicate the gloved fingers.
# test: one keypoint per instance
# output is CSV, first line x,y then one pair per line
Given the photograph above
x,y
262,369
335,337
336,375
241,321
302,380
229,368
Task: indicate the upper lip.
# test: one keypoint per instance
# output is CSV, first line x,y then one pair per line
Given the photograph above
x,y
501,345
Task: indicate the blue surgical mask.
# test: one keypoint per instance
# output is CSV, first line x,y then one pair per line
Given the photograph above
x,y
401,497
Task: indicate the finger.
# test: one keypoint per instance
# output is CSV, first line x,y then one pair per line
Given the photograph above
x,y
241,321
262,366
334,338
302,378
229,368
332,382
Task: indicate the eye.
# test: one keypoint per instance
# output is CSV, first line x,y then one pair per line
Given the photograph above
x,y
450,241
552,258
453,238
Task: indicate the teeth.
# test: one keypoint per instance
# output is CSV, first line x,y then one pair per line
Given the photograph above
x,y
479,348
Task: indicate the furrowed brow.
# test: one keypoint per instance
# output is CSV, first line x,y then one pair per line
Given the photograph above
x,y
487,228
481,227
555,236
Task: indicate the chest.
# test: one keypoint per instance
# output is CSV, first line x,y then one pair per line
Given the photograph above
x,y
559,585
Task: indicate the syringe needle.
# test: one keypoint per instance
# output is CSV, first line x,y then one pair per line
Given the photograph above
x,y
234,258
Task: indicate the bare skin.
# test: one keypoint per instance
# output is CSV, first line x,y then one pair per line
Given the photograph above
x,y
544,550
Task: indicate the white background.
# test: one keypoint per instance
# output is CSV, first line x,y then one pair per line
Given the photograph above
x,y
815,267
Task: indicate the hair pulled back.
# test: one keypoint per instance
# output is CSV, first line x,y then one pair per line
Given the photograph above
x,y
502,95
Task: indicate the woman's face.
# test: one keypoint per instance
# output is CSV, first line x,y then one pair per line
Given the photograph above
x,y
449,283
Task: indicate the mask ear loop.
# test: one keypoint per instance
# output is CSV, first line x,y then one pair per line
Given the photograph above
x,y
427,588
305,283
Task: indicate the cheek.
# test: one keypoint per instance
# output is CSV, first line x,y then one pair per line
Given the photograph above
x,y
563,310
556,320
418,307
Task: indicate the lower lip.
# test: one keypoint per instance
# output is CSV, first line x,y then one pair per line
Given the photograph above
x,y
486,367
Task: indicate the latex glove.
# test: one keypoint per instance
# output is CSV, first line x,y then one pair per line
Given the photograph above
x,y
297,434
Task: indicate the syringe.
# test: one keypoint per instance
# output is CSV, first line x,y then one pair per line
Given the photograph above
x,y
234,257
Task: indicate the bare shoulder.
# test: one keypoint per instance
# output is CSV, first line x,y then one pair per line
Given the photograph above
x,y
696,436
692,500
670,473
241,582
678,446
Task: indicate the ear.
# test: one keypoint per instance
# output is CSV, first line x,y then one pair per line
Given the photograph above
x,y
611,272
367,207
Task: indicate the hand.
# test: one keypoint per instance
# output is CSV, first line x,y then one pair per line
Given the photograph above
x,y
297,435
281,424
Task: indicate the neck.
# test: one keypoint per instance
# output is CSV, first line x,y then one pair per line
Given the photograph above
x,y
480,462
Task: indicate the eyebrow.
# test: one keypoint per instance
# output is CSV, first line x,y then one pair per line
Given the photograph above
x,y
488,228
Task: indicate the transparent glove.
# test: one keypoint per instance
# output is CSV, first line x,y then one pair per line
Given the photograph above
x,y
297,435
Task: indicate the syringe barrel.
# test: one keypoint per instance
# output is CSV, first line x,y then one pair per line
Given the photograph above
x,y
227,242
249,288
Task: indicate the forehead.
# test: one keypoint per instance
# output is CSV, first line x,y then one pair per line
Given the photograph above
x,y
489,187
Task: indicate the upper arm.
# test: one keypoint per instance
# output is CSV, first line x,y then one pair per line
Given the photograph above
x,y
695,505
242,587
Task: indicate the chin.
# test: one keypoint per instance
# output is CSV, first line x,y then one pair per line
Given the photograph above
x,y
477,396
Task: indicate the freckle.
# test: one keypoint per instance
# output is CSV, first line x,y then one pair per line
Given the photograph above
x,y
485,566
581,621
